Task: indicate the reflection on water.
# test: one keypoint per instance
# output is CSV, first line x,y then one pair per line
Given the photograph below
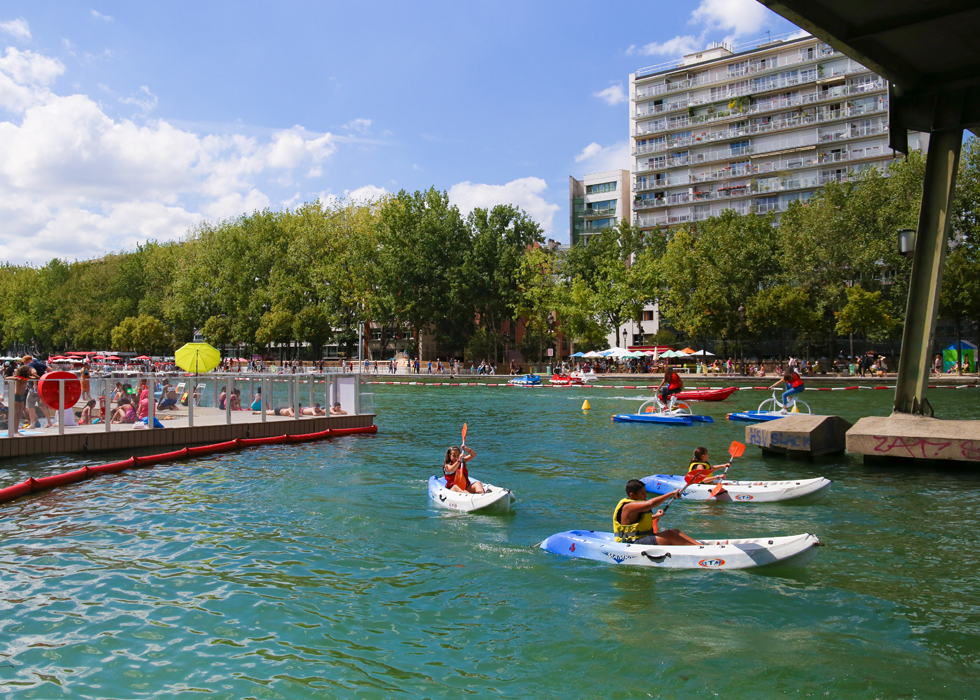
x,y
320,570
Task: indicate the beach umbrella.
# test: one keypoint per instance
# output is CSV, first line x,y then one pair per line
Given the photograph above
x,y
144,357
703,353
114,358
577,354
592,353
197,357
686,351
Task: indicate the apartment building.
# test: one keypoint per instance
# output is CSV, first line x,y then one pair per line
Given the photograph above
x,y
752,130
596,202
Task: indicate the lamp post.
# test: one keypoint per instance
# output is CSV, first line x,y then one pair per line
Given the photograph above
x,y
624,337
906,242
741,322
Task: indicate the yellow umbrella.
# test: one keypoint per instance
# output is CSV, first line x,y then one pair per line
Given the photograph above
x,y
197,357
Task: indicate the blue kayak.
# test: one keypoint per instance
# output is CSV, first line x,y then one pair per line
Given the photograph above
x,y
526,380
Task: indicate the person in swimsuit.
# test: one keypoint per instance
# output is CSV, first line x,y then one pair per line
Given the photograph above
x,y
281,411
336,410
455,460
21,376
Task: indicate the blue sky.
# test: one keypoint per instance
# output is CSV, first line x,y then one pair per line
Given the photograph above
x,y
124,121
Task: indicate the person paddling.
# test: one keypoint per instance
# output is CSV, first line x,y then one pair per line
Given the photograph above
x,y
674,385
633,518
454,461
794,385
700,464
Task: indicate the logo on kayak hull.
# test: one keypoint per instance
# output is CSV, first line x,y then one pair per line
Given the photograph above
x,y
744,497
711,563
619,558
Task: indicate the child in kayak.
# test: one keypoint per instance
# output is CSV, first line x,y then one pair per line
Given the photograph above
x,y
794,385
700,464
454,461
633,519
674,385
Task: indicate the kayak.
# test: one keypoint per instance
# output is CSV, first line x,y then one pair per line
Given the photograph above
x,y
707,394
565,380
741,491
526,380
756,416
668,419
495,500
796,550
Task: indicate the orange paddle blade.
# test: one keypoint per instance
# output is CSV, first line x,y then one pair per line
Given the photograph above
x,y
464,432
737,449
460,478
716,490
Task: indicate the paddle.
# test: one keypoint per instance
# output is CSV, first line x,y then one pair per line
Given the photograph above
x,y
690,478
461,471
736,449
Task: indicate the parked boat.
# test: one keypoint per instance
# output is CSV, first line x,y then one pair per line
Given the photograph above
x,y
706,394
526,380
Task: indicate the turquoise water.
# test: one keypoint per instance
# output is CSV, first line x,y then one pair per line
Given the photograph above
x,y
320,570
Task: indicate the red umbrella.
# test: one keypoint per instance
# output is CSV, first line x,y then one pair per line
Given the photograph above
x,y
58,357
144,357
113,357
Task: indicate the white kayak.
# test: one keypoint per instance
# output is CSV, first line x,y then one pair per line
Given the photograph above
x,y
796,550
495,500
742,491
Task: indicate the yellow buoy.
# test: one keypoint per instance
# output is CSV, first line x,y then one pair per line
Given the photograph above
x,y
585,405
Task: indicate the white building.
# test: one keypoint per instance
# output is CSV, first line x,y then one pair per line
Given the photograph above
x,y
752,131
597,201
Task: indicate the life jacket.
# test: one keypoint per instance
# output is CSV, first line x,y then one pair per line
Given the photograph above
x,y
699,466
629,533
451,478
183,399
675,381
795,382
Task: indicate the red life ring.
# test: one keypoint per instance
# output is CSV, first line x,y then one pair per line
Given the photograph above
x,y
49,393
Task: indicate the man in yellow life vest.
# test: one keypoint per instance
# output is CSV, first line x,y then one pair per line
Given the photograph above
x,y
633,519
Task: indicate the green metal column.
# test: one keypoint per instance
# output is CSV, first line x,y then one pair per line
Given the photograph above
x,y
927,271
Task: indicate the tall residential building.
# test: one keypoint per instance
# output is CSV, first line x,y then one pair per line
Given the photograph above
x,y
753,130
596,202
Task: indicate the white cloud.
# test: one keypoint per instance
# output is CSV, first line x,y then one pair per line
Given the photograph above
x,y
75,182
99,15
361,125
367,193
525,193
145,99
17,28
596,159
738,18
612,95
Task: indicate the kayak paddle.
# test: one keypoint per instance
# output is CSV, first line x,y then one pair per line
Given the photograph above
x,y
690,478
460,474
736,449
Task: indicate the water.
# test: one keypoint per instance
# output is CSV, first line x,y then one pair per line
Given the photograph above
x,y
320,570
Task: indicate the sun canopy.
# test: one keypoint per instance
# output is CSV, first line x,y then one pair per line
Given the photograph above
x,y
197,357
703,353
592,353
577,354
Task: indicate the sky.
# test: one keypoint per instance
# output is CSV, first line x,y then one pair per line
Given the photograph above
x,y
123,122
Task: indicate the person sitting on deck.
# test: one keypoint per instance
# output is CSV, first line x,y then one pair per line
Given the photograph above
x,y
453,462
633,518
235,400
257,400
168,397
85,418
794,385
336,410
700,464
124,413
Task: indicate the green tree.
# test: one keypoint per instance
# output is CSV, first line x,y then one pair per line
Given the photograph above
x,y
865,313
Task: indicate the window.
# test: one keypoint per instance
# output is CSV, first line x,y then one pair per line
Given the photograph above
x,y
598,189
598,208
741,168
599,224
808,54
740,147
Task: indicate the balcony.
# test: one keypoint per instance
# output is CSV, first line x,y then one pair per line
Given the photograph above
x,y
594,213
716,76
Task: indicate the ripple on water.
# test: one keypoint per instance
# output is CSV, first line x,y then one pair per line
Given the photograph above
x,y
321,570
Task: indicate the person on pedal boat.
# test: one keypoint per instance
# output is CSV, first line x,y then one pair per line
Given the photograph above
x,y
633,518
454,461
700,464
674,385
794,385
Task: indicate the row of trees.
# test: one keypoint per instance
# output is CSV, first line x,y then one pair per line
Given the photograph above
x,y
413,265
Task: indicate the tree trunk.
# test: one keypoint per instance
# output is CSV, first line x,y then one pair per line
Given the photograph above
x,y
959,349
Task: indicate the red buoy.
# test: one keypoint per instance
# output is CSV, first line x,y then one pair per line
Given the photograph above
x,y
47,390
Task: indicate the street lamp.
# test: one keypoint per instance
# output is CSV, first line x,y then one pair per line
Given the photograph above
x,y
624,337
906,242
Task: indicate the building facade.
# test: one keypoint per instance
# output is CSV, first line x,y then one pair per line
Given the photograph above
x,y
596,202
752,131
